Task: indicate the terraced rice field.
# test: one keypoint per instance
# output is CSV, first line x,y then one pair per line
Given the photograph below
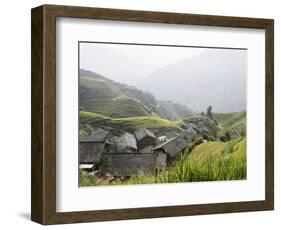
x,y
234,123
129,124
115,107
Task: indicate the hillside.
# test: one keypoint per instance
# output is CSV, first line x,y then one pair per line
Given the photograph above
x,y
212,161
104,97
215,76
101,95
171,110
218,149
98,88
89,121
115,107
232,123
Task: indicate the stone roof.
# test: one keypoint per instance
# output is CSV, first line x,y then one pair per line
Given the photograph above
x,y
98,135
125,142
172,134
193,126
90,152
190,130
202,122
204,129
143,132
173,146
189,134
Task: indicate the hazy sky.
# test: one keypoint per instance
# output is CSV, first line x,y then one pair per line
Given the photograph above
x,y
196,77
130,64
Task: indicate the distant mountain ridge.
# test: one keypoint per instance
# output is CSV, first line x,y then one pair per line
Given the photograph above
x,y
214,77
101,95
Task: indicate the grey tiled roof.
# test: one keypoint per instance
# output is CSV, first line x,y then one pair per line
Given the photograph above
x,y
125,141
173,146
143,132
98,135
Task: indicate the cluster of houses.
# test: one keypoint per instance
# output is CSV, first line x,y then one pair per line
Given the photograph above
x,y
132,154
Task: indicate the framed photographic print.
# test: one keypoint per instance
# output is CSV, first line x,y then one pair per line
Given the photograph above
x,y
139,114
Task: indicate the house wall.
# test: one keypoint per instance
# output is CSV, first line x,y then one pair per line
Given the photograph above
x,y
146,141
129,164
161,161
90,152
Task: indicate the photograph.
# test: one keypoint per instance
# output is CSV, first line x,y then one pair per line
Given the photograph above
x,y
175,108
153,113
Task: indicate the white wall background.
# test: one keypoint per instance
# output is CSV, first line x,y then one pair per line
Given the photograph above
x,y
15,113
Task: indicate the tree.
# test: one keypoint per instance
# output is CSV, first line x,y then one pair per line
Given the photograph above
x,y
243,133
209,112
227,136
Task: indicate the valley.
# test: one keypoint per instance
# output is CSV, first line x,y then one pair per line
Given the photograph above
x,y
111,115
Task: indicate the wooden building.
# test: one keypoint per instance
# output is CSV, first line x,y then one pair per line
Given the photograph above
x,y
126,143
91,147
145,138
133,164
173,147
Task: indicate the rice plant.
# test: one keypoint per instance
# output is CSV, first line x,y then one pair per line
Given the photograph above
x,y
212,161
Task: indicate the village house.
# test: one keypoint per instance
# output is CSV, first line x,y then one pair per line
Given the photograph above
x,y
111,145
189,134
173,146
133,164
145,138
171,135
129,164
99,135
134,154
204,130
161,161
91,147
190,131
126,143
193,127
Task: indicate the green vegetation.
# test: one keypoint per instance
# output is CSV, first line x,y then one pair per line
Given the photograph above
x,y
118,107
101,95
209,112
171,110
128,124
218,149
211,161
86,180
106,98
115,107
98,88
232,123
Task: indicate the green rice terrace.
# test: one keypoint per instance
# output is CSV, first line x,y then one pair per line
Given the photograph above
x,y
89,120
232,123
116,107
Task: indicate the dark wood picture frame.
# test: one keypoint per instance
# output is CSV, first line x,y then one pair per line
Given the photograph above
x,y
43,170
